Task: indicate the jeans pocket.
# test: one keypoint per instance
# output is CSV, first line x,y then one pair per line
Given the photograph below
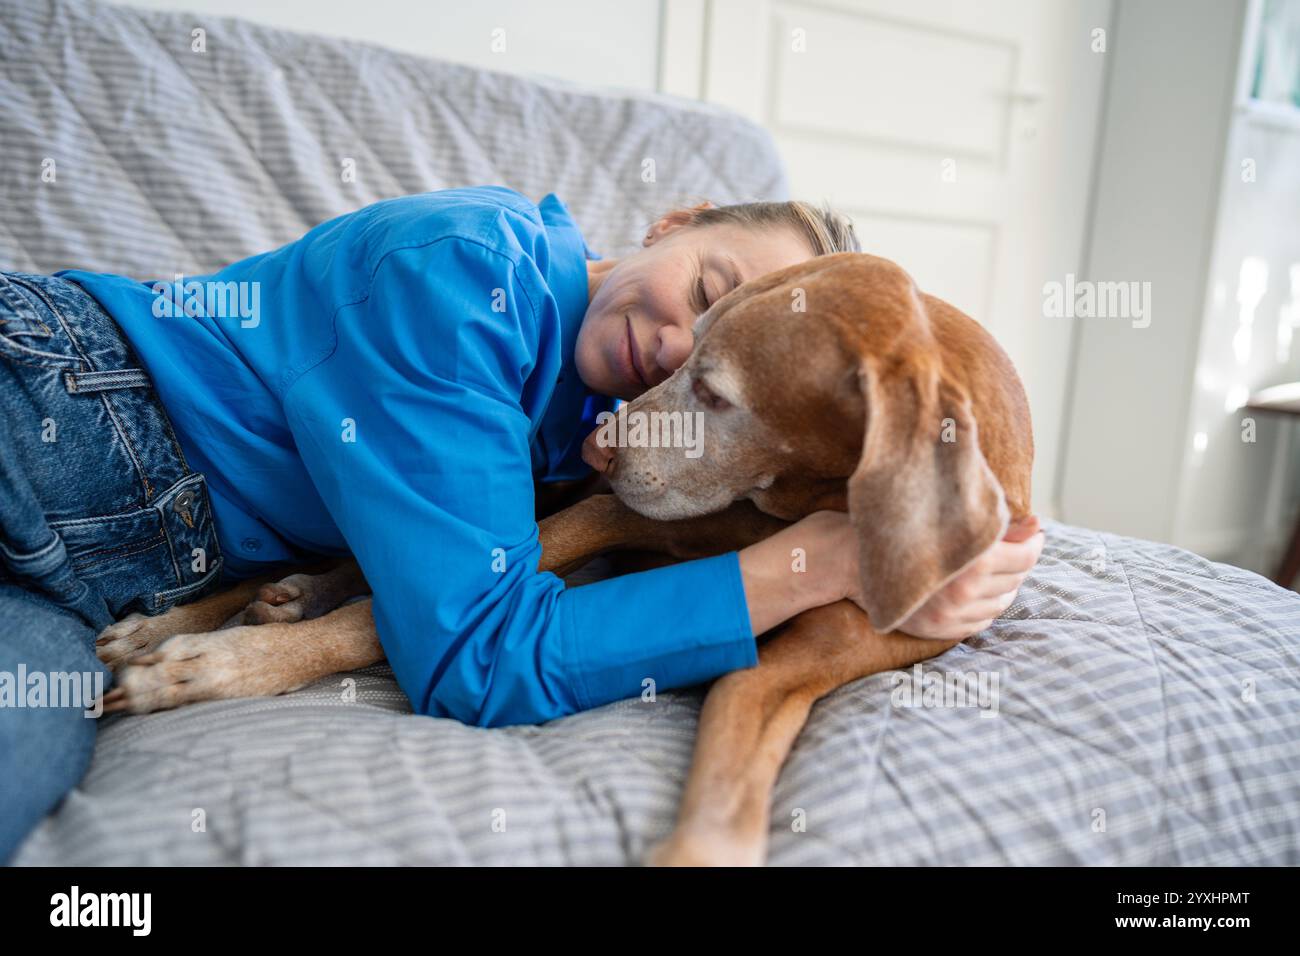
x,y
148,559
28,327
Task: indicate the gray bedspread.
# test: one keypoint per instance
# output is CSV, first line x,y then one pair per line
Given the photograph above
x,y
1137,704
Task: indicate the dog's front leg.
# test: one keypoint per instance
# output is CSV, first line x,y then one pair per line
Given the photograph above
x,y
602,523
292,638
247,661
137,634
586,530
751,719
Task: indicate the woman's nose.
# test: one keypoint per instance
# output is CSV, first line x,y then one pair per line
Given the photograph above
x,y
675,344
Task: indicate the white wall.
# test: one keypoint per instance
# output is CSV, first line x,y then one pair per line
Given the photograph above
x,y
590,41
1237,495
1166,121
1154,444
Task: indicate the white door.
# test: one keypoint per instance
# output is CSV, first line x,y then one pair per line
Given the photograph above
x,y
958,135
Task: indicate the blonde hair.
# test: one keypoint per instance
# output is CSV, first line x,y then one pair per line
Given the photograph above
x,y
825,230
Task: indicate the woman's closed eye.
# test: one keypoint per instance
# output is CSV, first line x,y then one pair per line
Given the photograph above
x,y
726,278
701,302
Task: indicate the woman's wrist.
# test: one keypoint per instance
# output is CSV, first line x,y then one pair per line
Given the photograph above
x,y
801,567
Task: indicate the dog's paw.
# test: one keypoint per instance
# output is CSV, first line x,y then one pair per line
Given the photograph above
x,y
188,668
284,602
711,850
138,634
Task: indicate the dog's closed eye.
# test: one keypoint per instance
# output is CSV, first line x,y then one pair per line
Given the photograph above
x,y
708,397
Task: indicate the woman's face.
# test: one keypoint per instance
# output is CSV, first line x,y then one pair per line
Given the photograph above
x,y
637,330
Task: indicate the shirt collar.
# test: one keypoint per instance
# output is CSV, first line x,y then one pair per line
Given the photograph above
x,y
571,413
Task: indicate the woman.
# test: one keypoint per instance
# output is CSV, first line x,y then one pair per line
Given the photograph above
x,y
392,384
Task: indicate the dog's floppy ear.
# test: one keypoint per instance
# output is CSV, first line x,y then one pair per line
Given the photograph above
x,y
923,499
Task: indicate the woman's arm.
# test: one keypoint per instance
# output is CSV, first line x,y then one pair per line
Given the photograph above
x,y
806,565
776,590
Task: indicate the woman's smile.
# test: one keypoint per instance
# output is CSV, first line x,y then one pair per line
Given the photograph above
x,y
635,369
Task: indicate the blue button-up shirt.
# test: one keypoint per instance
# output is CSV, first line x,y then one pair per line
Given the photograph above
x,y
391,384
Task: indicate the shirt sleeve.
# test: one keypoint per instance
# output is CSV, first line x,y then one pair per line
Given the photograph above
x,y
413,432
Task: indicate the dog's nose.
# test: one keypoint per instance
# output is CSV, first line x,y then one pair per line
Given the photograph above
x,y
598,456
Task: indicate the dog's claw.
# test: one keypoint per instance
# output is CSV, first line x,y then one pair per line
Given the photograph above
x,y
190,668
281,592
122,629
112,702
264,612
283,602
138,634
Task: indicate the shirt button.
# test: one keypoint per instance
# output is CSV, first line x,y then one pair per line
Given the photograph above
x,y
250,544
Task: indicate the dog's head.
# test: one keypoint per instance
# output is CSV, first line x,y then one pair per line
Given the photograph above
x,y
828,385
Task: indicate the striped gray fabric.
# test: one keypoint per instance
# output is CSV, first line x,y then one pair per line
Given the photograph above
x,y
1147,712
1146,708
167,160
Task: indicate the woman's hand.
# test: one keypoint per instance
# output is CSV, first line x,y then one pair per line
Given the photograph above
x,y
966,605
972,600
812,562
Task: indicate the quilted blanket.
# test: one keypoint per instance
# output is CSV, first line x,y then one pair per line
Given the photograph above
x,y
1136,705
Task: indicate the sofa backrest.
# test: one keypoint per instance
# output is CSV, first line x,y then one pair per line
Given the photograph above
x,y
124,147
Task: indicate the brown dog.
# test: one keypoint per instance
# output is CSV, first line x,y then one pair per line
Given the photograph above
x,y
864,400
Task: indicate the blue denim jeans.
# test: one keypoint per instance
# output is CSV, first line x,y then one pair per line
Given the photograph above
x,y
99,516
